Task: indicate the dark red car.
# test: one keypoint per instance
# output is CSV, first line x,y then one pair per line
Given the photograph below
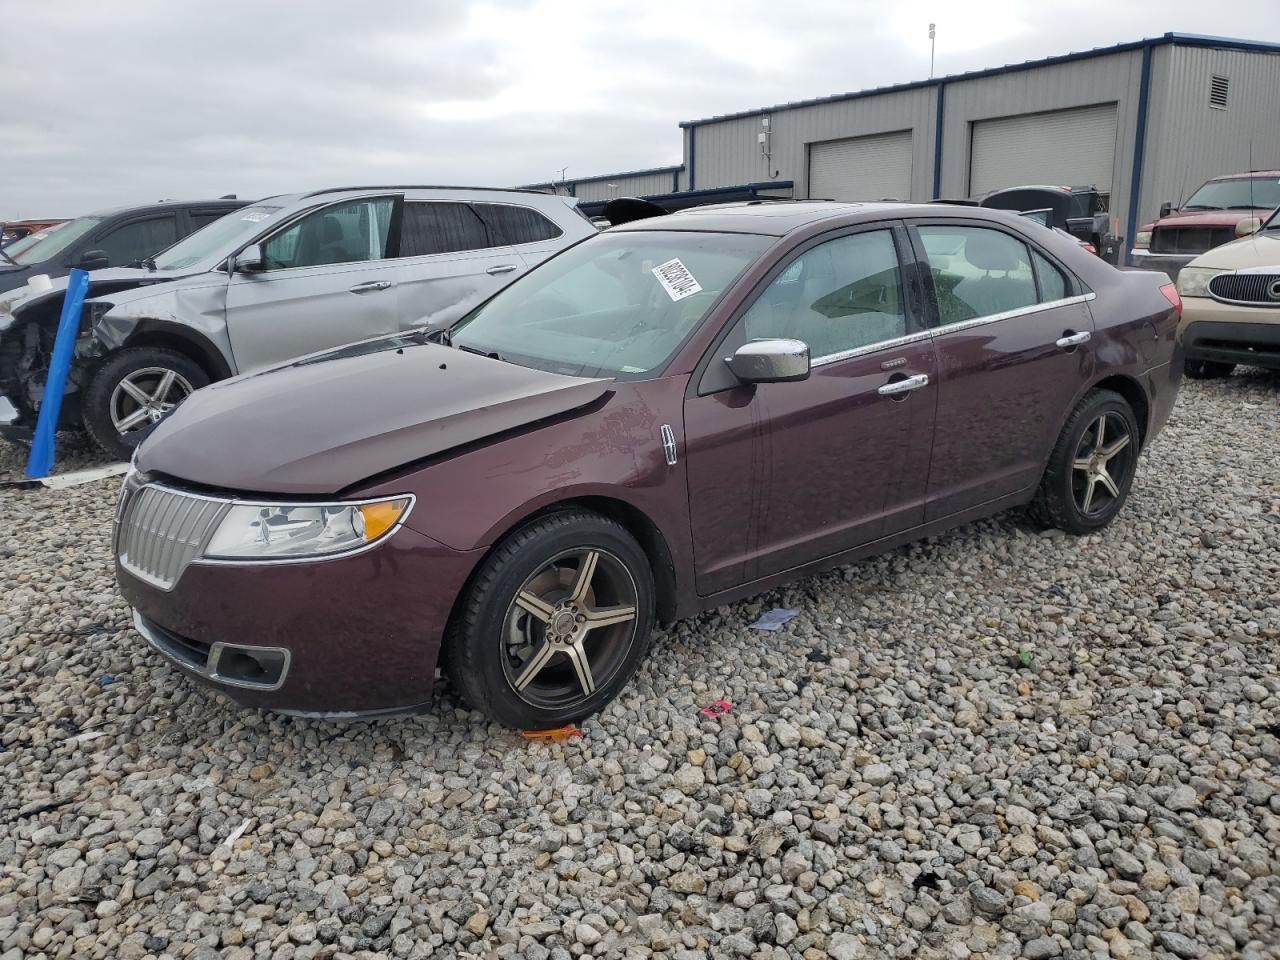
x,y
670,415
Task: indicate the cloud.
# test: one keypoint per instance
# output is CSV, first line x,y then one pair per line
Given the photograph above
x,y
123,103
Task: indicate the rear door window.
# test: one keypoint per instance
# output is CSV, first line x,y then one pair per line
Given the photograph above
x,y
977,272
517,225
137,239
202,218
431,227
1053,285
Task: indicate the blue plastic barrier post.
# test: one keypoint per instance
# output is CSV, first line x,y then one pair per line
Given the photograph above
x,y
41,460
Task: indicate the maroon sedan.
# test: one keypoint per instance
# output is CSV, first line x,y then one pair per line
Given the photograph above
x,y
676,413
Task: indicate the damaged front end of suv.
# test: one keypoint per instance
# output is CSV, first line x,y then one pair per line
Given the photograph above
x,y
29,324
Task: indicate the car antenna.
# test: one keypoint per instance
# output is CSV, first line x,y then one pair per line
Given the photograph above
x,y
1252,203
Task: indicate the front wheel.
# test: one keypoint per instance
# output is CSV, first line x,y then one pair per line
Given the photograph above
x,y
555,622
1091,468
1207,369
132,390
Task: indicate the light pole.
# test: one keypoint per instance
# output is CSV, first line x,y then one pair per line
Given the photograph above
x,y
933,31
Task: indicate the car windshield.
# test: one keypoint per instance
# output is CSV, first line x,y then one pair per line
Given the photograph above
x,y
48,243
218,239
1240,193
618,305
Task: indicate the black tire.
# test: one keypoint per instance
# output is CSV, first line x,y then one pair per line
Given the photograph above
x,y
1064,490
484,663
101,394
1207,369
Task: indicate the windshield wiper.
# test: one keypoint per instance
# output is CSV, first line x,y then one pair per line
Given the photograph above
x,y
479,353
149,263
5,255
1201,206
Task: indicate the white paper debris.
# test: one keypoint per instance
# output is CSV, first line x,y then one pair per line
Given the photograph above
x,y
236,834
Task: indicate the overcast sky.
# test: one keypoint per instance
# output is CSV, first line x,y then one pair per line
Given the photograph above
x,y
129,101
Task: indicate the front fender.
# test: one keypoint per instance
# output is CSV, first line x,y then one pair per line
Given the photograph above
x,y
178,308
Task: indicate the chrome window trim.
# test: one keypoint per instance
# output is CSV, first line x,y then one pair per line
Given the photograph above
x,y
870,348
231,502
951,328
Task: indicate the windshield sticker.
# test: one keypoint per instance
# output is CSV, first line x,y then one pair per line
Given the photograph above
x,y
256,216
676,279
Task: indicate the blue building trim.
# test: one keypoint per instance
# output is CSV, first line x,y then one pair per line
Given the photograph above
x,y
675,180
1177,39
693,153
1139,151
937,143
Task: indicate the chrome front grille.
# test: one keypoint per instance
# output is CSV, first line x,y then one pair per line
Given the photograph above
x,y
161,530
1259,288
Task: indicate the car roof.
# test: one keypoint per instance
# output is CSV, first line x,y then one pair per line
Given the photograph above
x,y
422,186
169,205
1246,174
777,218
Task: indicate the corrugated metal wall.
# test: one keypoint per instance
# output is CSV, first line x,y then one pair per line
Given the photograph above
x,y
632,186
727,152
1188,141
1114,78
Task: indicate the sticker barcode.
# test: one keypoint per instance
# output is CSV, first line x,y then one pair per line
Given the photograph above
x,y
676,279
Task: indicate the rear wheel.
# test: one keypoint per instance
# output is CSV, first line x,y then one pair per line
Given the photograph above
x,y
133,390
1090,471
1207,369
555,622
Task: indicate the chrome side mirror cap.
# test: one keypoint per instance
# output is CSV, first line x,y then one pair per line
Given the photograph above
x,y
249,260
770,361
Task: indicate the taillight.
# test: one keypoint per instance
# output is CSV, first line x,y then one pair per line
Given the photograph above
x,y
1090,248
1170,291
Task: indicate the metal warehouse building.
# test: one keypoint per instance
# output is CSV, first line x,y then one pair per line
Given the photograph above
x,y
1145,122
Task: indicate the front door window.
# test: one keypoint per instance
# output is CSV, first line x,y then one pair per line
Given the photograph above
x,y
349,232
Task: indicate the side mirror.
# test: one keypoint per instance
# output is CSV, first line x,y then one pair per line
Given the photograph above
x,y
93,260
1248,225
249,260
1166,208
770,361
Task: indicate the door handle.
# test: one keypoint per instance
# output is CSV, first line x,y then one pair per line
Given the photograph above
x,y
895,387
371,285
502,268
1069,340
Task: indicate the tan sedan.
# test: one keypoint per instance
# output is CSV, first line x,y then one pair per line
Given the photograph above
x,y
1231,305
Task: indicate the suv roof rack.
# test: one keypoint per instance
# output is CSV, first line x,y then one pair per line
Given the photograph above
x,y
421,186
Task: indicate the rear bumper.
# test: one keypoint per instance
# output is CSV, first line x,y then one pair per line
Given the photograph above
x,y
1227,333
340,638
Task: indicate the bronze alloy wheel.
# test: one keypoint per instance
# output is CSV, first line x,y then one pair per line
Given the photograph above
x,y
1102,460
569,628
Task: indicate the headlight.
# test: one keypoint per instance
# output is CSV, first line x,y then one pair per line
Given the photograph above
x,y
258,531
1194,281
1142,240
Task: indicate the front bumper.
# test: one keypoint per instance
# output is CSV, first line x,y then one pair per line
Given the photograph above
x,y
1228,333
1170,263
351,636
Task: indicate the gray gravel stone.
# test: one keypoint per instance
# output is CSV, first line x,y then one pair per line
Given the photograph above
x,y
895,779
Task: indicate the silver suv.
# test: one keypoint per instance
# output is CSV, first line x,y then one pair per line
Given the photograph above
x,y
275,280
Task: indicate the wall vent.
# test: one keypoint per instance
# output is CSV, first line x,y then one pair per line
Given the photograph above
x,y
1219,87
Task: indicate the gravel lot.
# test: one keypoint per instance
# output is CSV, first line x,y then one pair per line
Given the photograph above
x,y
997,743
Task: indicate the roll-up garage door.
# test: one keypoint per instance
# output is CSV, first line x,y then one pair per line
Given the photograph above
x,y
1069,147
861,168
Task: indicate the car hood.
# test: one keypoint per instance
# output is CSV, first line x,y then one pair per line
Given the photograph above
x,y
1257,250
1206,218
101,282
325,423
